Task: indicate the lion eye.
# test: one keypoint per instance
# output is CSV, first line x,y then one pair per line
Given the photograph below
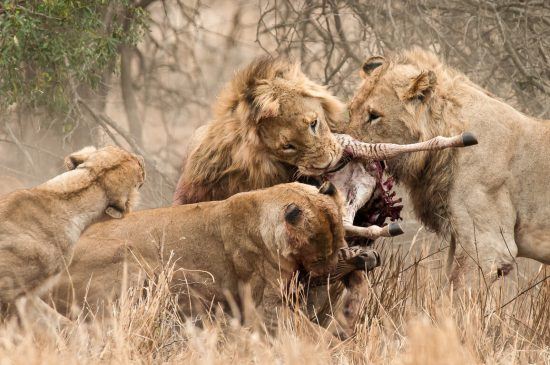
x,y
313,125
373,117
289,147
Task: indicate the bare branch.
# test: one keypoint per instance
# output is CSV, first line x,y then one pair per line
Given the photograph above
x,y
106,122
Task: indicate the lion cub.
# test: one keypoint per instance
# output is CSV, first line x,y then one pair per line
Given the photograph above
x,y
39,226
260,238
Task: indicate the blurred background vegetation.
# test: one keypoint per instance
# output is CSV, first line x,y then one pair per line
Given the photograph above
x,y
143,74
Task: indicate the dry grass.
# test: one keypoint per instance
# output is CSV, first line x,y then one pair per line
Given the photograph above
x,y
409,318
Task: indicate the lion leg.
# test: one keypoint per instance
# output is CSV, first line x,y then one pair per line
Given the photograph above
x,y
31,310
48,313
482,238
487,254
323,307
273,307
354,298
336,306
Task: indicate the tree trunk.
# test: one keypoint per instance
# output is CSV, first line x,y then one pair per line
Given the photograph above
x,y
128,96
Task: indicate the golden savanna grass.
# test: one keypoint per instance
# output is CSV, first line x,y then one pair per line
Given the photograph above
x,y
409,317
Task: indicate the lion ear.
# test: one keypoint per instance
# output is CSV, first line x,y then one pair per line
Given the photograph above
x,y
333,108
421,86
264,103
268,110
371,64
77,158
119,207
292,213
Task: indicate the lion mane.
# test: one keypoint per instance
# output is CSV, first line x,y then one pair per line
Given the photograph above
x,y
229,155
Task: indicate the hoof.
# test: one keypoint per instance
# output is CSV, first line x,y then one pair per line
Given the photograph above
x,y
395,229
468,139
368,260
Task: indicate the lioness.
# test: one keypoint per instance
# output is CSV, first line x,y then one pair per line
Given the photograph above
x,y
492,200
261,238
39,226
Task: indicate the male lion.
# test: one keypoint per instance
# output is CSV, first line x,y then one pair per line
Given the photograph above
x,y
261,238
39,226
271,125
491,200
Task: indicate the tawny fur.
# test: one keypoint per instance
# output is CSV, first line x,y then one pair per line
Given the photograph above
x,y
266,105
480,198
214,247
39,226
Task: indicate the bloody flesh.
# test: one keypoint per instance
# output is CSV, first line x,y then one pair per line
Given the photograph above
x,y
381,206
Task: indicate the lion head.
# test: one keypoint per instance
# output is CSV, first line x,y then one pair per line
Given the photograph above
x,y
404,99
407,98
272,124
311,230
119,173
